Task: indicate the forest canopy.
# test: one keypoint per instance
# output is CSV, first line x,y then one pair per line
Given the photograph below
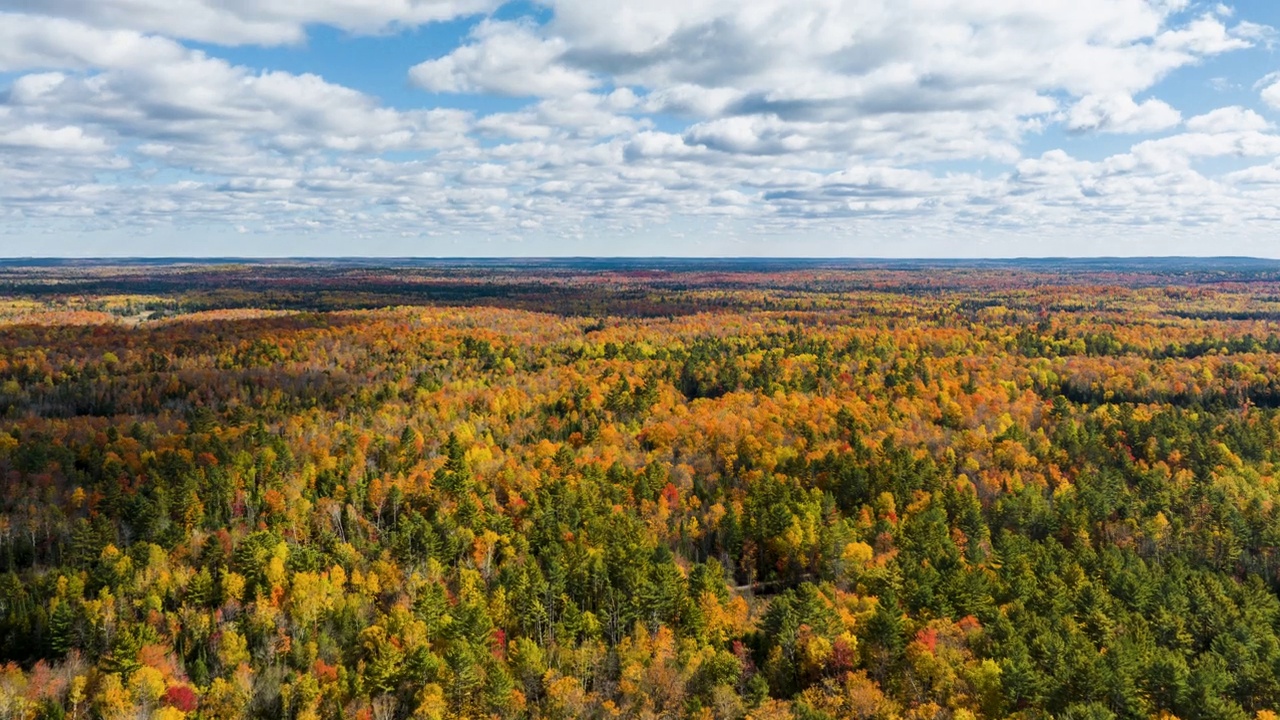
x,y
699,490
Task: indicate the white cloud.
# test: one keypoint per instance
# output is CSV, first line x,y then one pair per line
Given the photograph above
x,y
261,145
39,42
1207,35
1188,146
1256,175
1228,119
581,116
1270,90
62,139
507,59
794,118
155,91
953,79
234,22
862,49
754,135
1120,114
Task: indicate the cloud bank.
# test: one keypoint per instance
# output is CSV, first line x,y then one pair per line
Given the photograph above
x,y
776,126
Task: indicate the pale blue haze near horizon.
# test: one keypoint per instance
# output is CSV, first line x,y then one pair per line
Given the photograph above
x,y
867,128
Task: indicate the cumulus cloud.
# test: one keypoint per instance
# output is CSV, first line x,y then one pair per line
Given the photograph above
x,y
1256,175
1270,90
1120,114
62,139
958,54
154,90
507,59
234,22
836,118
30,42
959,79
256,143
1228,119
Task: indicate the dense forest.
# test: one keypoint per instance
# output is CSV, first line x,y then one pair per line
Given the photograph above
x,y
799,492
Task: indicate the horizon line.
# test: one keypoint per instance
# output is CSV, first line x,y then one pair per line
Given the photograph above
x,y
616,258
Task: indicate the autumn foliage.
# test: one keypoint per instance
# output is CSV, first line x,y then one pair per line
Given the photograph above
x,y
750,493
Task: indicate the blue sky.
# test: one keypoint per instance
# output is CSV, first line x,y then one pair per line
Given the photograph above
x,y
947,128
